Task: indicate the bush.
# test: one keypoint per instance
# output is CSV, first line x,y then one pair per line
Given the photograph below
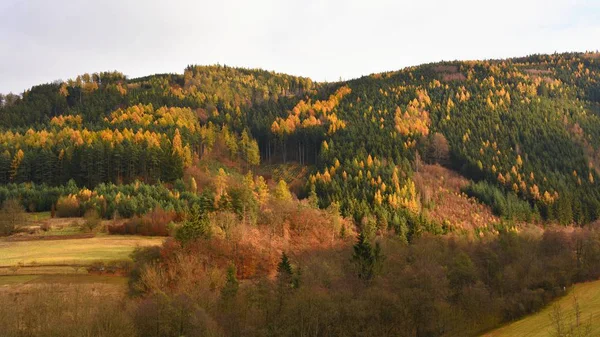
x,y
96,267
155,223
92,220
68,207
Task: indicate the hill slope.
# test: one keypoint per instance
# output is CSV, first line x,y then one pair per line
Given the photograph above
x,y
529,127
541,323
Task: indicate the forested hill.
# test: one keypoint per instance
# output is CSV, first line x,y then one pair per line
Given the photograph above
x,y
528,129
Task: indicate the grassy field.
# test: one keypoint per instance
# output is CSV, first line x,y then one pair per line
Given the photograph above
x,y
539,325
72,251
61,279
17,279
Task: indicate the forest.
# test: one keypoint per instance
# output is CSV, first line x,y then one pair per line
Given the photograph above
x,y
346,245
527,126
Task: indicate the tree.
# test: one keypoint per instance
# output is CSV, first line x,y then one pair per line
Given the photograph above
x,y
367,259
563,326
232,285
285,279
14,166
250,149
195,226
261,190
284,268
439,149
11,215
282,192
220,183
193,185
313,199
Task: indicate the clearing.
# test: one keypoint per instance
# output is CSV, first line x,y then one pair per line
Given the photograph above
x,y
72,251
540,324
447,203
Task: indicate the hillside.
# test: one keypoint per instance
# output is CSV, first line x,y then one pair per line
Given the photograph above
x,y
528,126
439,200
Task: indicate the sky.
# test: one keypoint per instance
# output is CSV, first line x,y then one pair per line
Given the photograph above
x,y
43,41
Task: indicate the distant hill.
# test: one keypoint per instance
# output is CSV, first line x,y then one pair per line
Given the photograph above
x,y
527,128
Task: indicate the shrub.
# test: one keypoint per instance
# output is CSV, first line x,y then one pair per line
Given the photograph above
x,y
68,207
92,220
117,229
155,223
96,267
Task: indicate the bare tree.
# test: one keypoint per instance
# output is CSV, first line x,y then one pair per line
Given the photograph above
x,y
439,148
562,327
11,215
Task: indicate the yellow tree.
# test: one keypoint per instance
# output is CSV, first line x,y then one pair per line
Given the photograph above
x,y
220,183
282,192
261,190
16,162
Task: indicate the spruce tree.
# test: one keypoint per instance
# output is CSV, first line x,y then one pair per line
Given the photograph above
x,y
366,258
285,281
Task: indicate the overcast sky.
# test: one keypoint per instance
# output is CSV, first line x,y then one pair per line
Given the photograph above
x,y
42,41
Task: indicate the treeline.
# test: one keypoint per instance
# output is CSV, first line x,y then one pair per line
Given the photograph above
x,y
138,143
107,200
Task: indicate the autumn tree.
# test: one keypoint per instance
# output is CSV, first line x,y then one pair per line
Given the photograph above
x,y
282,191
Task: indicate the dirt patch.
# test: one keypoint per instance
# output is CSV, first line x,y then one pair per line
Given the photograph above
x,y
442,187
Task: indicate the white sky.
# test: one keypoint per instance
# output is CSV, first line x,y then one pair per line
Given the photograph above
x,y
42,41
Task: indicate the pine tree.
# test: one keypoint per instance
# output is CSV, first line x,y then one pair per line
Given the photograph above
x,y
232,285
285,279
195,226
366,258
284,268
